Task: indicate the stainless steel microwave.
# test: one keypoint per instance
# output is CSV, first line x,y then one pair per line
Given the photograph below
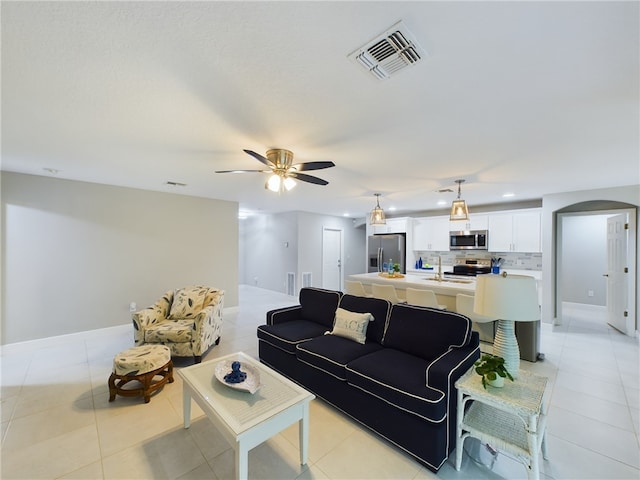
x,y
469,240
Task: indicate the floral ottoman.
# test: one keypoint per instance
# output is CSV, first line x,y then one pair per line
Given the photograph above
x,y
141,364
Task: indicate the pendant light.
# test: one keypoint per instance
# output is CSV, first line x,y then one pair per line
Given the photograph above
x,y
459,210
377,216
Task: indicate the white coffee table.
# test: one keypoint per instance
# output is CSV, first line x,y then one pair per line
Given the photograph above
x,y
246,420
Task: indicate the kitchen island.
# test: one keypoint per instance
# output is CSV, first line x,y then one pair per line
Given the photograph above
x,y
445,290
527,333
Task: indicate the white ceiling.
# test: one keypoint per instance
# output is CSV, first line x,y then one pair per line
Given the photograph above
x,y
525,97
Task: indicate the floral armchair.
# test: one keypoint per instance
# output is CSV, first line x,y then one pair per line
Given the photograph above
x,y
187,320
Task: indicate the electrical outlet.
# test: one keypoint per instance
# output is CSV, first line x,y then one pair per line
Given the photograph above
x,y
132,307
590,293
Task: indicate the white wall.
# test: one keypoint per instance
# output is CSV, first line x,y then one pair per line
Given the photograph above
x,y
310,245
584,259
265,258
551,204
75,254
273,244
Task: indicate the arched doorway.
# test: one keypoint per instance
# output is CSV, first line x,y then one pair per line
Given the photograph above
x,y
583,256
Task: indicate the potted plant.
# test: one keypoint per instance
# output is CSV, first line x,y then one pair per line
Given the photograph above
x,y
492,370
396,268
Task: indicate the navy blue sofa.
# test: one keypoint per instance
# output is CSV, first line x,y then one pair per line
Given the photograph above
x,y
399,383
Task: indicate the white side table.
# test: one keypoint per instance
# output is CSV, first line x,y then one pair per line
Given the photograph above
x,y
512,418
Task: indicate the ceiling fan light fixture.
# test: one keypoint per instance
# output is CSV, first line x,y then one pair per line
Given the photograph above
x,y
377,216
273,183
279,183
459,209
289,183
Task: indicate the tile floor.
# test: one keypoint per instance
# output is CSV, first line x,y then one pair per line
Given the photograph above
x,y
57,421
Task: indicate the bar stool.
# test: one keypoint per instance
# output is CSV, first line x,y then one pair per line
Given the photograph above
x,y
385,292
356,288
423,298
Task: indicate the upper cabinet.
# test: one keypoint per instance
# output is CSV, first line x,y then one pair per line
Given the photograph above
x,y
478,221
393,225
517,231
431,233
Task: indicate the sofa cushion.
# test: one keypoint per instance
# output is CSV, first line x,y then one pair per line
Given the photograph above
x,y
319,305
398,378
351,325
426,332
289,334
187,302
377,307
331,353
174,331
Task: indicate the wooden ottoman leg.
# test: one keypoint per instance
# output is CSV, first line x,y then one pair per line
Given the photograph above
x,y
112,387
170,370
147,380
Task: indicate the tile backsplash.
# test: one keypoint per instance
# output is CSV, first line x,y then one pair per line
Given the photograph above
x,y
517,261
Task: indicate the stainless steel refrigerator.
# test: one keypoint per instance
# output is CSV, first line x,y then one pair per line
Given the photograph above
x,y
383,248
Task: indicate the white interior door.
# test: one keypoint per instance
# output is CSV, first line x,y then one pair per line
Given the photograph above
x,y
332,258
618,275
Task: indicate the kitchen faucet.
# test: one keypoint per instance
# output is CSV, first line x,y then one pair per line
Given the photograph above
x,y
439,274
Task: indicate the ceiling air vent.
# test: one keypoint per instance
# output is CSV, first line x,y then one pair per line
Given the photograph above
x,y
389,52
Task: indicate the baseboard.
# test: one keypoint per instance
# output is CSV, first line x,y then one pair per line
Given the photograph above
x,y
31,345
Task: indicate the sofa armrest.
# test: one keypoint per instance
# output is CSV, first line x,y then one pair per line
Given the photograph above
x,y
208,325
281,315
156,313
443,372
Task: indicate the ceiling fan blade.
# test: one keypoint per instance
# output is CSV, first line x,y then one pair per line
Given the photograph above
x,y
308,178
243,171
301,167
260,158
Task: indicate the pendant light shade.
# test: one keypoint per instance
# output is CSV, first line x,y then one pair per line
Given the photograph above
x,y
377,216
459,210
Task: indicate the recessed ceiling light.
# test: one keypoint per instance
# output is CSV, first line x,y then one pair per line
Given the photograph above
x,y
345,214
392,209
176,184
442,202
51,171
508,194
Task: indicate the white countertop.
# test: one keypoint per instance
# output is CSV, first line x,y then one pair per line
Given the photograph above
x,y
425,279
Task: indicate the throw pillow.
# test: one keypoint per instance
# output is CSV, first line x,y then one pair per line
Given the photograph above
x,y
351,325
187,302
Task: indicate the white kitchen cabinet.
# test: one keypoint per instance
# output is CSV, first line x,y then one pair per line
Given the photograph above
x,y
478,221
515,231
431,234
393,225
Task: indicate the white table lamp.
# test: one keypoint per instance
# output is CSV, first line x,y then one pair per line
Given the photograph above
x,y
510,299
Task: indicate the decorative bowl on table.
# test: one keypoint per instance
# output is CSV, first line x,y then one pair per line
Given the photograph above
x,y
245,377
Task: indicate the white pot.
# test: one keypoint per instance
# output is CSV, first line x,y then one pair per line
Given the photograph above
x,y
498,382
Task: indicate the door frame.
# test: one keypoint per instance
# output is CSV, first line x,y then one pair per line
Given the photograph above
x,y
632,248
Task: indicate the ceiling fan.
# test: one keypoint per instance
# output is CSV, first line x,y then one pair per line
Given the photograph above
x,y
283,172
